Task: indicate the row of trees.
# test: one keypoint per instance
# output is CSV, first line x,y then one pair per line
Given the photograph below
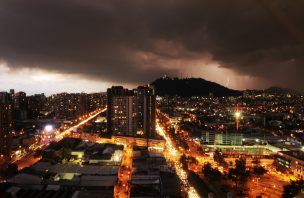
x,y
239,174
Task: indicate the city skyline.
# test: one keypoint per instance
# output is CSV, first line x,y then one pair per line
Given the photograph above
x,y
58,46
54,83
128,140
100,87
132,98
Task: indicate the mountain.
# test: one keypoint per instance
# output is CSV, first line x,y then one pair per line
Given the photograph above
x,y
191,87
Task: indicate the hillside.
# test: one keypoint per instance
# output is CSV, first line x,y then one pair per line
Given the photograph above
x,y
191,87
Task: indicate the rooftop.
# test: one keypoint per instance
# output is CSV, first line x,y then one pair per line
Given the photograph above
x,y
295,154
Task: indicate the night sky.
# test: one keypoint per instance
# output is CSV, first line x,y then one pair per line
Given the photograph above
x,y
88,45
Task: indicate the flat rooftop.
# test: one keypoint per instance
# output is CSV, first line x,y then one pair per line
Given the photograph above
x,y
77,169
295,154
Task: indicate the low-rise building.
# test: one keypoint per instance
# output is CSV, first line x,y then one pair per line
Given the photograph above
x,y
293,161
222,138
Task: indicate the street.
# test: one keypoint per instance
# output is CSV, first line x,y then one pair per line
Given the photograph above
x,y
29,158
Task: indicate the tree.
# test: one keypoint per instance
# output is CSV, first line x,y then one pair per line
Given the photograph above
x,y
233,175
183,161
239,174
192,160
200,150
210,172
184,145
197,182
293,189
207,169
218,157
259,170
240,165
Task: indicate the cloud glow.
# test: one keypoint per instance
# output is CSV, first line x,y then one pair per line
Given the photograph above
x,y
34,81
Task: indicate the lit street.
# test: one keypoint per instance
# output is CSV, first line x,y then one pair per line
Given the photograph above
x,y
269,185
29,158
122,188
172,154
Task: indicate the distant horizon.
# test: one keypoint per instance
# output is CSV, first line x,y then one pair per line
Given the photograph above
x,y
30,93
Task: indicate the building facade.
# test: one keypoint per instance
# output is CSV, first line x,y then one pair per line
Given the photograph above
x,y
69,106
222,138
131,112
5,124
35,105
20,105
292,161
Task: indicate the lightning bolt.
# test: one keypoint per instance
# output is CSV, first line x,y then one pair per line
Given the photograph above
x,y
227,82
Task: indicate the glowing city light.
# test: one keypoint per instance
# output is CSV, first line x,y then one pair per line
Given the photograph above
x,y
237,114
48,128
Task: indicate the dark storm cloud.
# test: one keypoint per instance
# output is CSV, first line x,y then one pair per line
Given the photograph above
x,y
135,41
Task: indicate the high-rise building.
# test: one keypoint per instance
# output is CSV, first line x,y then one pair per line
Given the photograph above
x,y
35,105
131,112
5,124
20,106
20,101
69,106
121,111
145,105
97,100
12,93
